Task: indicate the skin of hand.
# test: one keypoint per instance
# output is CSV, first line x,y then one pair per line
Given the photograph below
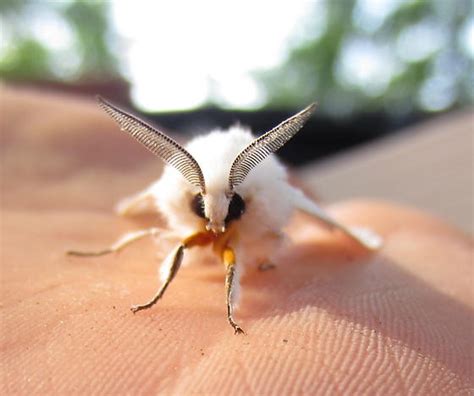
x,y
330,319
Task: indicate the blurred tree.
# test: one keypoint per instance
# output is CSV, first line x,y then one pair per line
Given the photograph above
x,y
28,52
351,55
367,58
90,24
28,58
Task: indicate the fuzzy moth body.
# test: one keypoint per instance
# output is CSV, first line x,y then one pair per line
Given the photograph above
x,y
226,189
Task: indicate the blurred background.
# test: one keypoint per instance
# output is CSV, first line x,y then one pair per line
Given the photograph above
x,y
373,66
394,80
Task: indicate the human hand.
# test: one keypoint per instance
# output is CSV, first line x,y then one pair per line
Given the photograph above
x,y
331,318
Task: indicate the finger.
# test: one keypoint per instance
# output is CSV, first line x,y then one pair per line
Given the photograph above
x,y
330,317
316,321
325,321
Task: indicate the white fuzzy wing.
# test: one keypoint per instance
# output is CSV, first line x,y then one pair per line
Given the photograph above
x,y
363,236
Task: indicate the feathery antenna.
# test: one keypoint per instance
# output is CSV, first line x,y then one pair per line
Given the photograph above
x,y
266,144
170,151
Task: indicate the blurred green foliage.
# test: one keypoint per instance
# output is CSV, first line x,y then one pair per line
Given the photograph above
x,y
84,30
352,56
313,64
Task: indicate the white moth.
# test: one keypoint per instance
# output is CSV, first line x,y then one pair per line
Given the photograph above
x,y
225,189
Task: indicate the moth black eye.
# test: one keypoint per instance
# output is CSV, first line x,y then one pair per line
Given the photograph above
x,y
236,208
197,205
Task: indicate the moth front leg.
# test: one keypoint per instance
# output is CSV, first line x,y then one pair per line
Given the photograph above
x,y
171,265
169,268
121,243
231,286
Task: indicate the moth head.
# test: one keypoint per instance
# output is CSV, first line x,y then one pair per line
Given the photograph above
x,y
218,207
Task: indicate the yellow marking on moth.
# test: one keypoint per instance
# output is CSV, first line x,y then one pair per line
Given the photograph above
x,y
219,244
199,239
228,256
222,240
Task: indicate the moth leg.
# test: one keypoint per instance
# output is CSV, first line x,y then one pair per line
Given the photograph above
x,y
121,243
275,239
231,283
140,203
170,267
363,236
266,266
172,270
